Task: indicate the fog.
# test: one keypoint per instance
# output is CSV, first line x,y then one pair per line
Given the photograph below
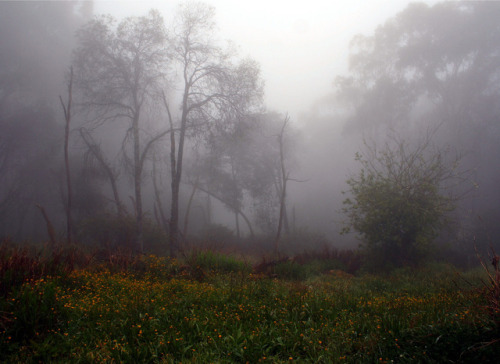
x,y
300,46
346,76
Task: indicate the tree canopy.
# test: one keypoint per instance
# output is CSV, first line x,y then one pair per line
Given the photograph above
x,y
433,66
445,57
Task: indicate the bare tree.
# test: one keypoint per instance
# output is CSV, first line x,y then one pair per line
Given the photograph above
x,y
213,90
119,71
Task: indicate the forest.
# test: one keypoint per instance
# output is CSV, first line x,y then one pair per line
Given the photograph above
x,y
153,208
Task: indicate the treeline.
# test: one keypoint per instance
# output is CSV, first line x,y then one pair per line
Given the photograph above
x,y
143,132
147,108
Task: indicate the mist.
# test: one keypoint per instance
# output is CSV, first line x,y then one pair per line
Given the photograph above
x,y
258,152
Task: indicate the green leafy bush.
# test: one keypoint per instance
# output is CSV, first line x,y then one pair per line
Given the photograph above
x,y
398,201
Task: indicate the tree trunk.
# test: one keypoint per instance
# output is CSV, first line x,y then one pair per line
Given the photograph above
x,y
67,117
176,170
188,208
234,208
235,199
280,220
283,181
50,228
139,241
286,223
237,222
174,219
158,205
208,220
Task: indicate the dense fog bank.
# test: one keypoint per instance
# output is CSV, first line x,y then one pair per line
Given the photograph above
x,y
171,141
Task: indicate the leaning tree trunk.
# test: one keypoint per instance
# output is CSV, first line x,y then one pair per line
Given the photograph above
x,y
234,208
50,228
95,150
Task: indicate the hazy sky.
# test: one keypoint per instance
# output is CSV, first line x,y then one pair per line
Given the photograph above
x,y
300,45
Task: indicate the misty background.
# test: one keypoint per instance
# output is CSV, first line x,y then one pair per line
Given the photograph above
x,y
345,73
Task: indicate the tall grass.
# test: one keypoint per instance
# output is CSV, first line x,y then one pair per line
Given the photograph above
x,y
21,264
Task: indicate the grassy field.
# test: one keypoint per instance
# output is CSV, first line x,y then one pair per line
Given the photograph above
x,y
216,310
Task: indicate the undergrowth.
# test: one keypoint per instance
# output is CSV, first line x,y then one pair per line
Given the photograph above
x,y
158,310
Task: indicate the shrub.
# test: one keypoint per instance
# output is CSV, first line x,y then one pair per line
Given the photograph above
x,y
330,258
292,271
399,203
208,260
119,233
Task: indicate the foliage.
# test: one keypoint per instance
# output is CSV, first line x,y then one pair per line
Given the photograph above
x,y
117,66
217,89
34,310
398,200
296,270
103,317
215,262
445,54
118,71
434,65
292,271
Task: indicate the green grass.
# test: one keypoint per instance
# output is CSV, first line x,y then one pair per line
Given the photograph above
x,y
160,314
216,262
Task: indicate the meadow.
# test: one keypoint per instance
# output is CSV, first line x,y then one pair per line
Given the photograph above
x,y
212,308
